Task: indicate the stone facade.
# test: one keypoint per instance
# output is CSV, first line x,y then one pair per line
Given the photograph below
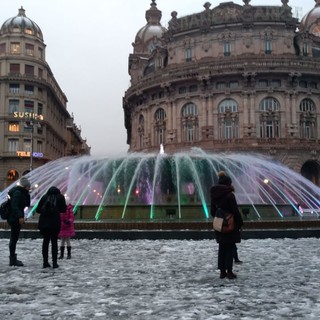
x,y
35,126
234,78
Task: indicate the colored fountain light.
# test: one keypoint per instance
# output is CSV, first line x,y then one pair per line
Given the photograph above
x,y
176,184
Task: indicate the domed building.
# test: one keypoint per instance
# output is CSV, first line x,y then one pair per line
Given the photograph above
x,y
232,78
35,126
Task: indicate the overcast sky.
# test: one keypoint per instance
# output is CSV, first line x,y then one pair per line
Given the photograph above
x,y
88,45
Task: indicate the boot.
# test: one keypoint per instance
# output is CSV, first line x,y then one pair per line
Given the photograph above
x,y
61,253
69,253
55,265
13,261
46,264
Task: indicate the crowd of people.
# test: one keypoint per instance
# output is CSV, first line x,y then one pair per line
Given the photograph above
x,y
56,221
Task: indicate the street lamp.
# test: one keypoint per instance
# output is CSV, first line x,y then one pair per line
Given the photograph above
x,y
30,124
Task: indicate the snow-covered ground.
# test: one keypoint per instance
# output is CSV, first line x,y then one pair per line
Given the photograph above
x,y
164,279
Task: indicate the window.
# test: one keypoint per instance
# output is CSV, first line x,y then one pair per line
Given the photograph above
x,y
39,146
233,84
12,175
13,145
29,49
193,88
188,55
190,109
14,126
40,109
14,88
267,46
221,85
269,118
307,121
28,31
228,105
15,68
226,49
160,126
40,73
16,28
28,89
307,105
13,106
41,53
29,70
15,48
276,83
228,120
160,115
26,145
182,90
2,48
263,83
189,125
269,104
28,106
303,84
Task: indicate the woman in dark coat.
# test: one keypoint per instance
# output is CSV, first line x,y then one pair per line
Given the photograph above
x,y
49,207
222,196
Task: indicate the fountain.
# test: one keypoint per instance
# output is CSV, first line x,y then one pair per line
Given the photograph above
x,y
159,186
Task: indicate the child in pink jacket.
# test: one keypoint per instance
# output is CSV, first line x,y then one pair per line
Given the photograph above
x,y
66,230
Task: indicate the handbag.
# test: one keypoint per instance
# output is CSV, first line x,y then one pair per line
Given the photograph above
x,y
223,222
229,223
217,224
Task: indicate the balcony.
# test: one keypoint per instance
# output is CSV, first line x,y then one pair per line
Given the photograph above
x,y
216,67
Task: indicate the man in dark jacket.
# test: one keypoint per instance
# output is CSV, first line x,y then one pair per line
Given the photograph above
x,y
20,199
222,196
49,207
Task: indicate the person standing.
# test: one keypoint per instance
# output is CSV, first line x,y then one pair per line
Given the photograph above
x,y
19,200
49,207
66,230
222,196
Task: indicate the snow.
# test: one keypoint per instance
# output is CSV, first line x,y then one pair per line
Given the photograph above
x,y
162,279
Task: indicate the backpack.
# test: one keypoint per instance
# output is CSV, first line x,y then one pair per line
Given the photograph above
x,y
5,209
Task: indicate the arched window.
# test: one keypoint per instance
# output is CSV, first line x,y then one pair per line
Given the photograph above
x,y
269,118
228,120
307,121
141,130
12,175
189,123
307,105
160,126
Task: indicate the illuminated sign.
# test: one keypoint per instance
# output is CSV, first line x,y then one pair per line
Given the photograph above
x,y
27,154
28,115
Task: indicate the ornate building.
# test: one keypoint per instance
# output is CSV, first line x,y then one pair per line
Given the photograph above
x,y
233,78
35,126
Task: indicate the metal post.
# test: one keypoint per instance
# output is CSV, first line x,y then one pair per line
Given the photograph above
x,y
31,153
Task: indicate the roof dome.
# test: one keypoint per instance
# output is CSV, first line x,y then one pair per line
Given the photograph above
x,y
311,17
153,28
21,24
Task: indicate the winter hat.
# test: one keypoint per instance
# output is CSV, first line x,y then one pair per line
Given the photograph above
x,y
24,182
224,179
